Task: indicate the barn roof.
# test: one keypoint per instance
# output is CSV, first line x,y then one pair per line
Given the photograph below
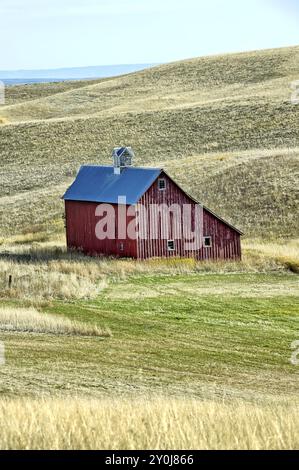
x,y
96,183
99,184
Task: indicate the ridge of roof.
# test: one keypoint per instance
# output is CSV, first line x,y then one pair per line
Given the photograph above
x,y
126,168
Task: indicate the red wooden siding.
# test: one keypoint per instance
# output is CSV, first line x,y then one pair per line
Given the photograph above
x,y
171,195
225,240
80,231
81,222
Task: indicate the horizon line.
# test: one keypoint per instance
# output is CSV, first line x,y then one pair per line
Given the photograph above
x,y
140,64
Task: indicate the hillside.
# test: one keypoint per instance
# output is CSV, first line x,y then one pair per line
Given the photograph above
x,y
20,93
174,353
223,126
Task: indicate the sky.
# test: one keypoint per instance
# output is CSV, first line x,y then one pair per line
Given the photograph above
x,y
43,34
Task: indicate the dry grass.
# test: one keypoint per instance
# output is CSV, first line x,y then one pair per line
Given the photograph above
x,y
284,253
179,115
208,81
227,182
257,190
42,271
44,281
32,321
33,91
146,424
45,271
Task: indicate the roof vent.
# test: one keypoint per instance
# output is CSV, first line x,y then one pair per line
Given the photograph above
x,y
122,158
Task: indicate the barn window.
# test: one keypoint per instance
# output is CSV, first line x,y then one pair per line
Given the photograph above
x,y
170,245
121,247
207,242
162,184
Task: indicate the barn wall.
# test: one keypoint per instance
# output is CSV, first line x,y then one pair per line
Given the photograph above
x,y
225,240
80,229
171,195
81,222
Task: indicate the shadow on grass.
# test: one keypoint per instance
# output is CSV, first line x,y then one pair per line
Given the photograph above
x,y
46,254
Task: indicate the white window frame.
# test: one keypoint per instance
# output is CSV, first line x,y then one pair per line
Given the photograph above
x,y
204,242
168,248
164,181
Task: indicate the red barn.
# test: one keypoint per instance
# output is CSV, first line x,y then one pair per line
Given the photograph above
x,y
140,213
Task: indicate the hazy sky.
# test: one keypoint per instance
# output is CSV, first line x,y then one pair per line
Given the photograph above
x,y
66,33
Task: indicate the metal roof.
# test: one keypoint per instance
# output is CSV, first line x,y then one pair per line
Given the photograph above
x,y
120,151
99,184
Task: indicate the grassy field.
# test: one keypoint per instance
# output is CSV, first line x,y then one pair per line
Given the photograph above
x,y
212,342
228,334
263,205
31,321
223,126
147,424
91,342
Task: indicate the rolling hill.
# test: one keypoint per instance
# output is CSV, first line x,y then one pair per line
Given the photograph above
x,y
223,126
98,344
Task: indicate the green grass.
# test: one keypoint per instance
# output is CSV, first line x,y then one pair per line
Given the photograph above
x,y
200,335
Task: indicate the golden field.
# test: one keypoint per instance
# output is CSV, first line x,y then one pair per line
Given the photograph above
x,y
146,424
